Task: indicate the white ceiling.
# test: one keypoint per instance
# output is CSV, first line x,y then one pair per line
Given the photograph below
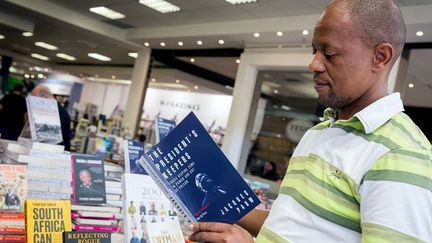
x,y
76,31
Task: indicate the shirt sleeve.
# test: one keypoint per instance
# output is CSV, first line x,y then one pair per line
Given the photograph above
x,y
396,197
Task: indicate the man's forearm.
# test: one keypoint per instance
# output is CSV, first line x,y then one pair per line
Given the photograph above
x,y
253,221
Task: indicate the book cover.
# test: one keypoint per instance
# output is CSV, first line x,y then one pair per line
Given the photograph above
x,y
193,172
46,220
133,153
44,120
88,179
163,127
13,187
144,203
169,231
86,236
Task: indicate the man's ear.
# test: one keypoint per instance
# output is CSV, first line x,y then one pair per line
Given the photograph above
x,y
383,55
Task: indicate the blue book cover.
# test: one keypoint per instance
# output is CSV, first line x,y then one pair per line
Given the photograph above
x,y
133,153
163,127
197,177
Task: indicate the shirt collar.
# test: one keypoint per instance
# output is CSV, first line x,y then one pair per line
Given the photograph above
x,y
375,114
379,112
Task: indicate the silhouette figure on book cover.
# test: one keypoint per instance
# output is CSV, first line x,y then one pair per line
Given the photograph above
x,y
212,191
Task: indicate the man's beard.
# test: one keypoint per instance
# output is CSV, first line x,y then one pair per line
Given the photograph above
x,y
334,101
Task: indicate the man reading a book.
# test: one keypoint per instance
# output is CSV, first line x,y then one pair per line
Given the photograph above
x,y
364,174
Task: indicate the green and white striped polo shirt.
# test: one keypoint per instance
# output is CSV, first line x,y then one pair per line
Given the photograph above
x,y
366,179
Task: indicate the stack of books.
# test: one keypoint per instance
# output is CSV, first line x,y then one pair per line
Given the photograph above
x,y
12,227
96,218
13,188
48,168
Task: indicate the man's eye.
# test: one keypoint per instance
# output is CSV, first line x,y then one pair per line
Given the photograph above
x,y
329,56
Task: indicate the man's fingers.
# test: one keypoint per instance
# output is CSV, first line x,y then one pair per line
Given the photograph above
x,y
209,227
205,236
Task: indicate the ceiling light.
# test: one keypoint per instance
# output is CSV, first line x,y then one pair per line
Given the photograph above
x,y
40,75
32,76
99,57
113,77
2,37
26,76
153,80
221,42
160,5
180,43
279,33
276,91
162,44
240,1
27,34
305,32
238,61
133,54
177,81
106,12
66,56
411,85
199,43
146,44
419,33
196,87
257,34
46,45
38,56
192,59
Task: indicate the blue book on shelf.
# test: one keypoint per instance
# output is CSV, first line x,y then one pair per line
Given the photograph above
x,y
163,127
133,153
196,176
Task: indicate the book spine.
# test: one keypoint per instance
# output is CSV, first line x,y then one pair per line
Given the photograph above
x,y
172,197
126,156
73,179
96,228
12,216
12,230
12,238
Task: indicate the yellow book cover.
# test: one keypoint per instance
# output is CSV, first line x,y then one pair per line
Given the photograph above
x,y
46,220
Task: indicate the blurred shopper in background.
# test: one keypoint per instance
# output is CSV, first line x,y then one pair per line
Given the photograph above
x,y
13,112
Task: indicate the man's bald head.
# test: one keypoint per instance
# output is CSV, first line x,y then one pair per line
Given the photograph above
x,y
42,91
377,21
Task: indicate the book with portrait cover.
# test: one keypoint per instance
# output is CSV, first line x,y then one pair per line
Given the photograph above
x,y
163,127
46,220
13,187
144,204
133,153
86,236
88,179
197,177
44,120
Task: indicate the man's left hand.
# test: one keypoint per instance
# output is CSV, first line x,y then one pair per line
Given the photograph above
x,y
218,232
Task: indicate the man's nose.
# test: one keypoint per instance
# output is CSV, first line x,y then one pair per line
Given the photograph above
x,y
317,65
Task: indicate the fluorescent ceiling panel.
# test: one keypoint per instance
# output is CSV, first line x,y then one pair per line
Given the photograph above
x,y
66,56
106,12
241,1
99,57
160,5
133,54
46,45
38,56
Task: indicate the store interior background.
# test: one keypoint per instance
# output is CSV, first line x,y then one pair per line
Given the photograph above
x,y
204,69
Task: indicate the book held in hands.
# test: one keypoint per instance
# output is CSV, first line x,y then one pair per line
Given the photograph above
x,y
196,176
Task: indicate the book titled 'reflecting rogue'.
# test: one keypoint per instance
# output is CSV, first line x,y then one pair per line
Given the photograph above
x,y
196,176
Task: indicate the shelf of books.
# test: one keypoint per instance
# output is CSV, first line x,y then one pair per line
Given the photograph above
x,y
50,195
